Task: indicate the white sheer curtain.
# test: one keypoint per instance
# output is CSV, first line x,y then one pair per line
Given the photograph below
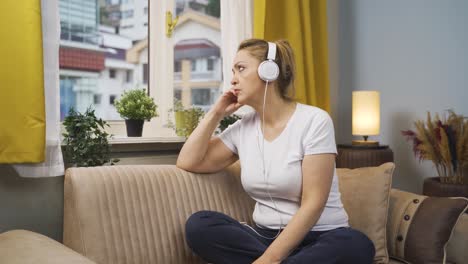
x,y
53,164
236,25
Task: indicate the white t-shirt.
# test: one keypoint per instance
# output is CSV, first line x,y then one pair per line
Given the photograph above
x,y
309,131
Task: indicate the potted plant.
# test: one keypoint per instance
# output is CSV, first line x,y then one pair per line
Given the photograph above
x,y
86,142
227,121
445,143
136,106
186,119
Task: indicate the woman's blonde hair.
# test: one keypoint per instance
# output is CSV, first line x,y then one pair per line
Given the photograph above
x,y
258,48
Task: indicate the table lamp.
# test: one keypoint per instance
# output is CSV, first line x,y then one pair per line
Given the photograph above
x,y
366,116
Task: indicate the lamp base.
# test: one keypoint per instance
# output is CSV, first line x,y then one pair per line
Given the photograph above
x,y
365,143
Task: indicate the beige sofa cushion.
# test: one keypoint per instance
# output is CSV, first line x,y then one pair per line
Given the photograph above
x,y
457,247
365,195
26,247
421,226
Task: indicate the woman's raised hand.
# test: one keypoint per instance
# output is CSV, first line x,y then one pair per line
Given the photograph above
x,y
226,104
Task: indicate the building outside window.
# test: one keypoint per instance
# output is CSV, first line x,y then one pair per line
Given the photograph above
x,y
104,51
112,73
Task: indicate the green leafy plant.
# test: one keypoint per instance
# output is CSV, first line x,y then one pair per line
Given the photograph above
x,y
136,104
86,142
227,121
186,119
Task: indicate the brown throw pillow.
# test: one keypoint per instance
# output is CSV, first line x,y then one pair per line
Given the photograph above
x,y
365,195
421,226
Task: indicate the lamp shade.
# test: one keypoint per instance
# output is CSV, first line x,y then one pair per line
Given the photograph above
x,y
366,113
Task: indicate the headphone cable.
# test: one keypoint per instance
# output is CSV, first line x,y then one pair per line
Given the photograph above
x,y
265,171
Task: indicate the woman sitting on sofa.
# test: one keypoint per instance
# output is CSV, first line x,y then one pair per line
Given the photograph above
x,y
287,155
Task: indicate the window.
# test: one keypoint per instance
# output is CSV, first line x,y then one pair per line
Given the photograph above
x,y
128,76
193,63
115,15
112,73
210,64
197,78
98,70
145,73
178,94
177,66
116,55
97,99
200,96
76,91
127,14
112,99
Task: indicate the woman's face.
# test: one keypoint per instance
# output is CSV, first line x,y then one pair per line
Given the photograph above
x,y
245,82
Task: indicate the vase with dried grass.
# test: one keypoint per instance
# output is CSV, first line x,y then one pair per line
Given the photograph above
x,y
444,141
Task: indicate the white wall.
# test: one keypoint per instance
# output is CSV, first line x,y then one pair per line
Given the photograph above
x,y
192,30
139,30
414,52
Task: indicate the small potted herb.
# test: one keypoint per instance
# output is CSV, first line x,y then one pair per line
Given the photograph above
x,y
136,106
186,118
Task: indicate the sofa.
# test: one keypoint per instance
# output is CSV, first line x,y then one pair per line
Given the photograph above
x,y
136,214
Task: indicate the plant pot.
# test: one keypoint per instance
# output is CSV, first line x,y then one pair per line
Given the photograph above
x,y
434,187
179,122
134,127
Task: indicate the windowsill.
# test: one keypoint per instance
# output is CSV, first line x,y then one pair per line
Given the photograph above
x,y
167,145
143,140
146,144
156,139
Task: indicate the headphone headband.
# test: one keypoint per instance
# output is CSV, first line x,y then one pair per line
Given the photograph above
x,y
268,70
271,51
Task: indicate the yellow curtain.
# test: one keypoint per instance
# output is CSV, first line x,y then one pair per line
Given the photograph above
x,y
304,24
22,110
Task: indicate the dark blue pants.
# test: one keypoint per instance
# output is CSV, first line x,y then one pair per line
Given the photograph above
x,y
220,239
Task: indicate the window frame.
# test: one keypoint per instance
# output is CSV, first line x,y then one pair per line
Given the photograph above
x,y
160,74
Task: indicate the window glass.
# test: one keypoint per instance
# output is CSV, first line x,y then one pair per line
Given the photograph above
x,y
97,99
197,53
104,51
97,38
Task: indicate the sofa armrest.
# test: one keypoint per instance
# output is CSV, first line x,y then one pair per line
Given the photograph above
x,y
458,244
403,206
137,214
24,247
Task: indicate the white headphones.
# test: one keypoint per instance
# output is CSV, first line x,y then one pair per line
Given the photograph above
x,y
268,70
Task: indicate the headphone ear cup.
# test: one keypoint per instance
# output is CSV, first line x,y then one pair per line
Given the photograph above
x,y
268,71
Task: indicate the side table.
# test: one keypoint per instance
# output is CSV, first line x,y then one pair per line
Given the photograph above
x,y
350,156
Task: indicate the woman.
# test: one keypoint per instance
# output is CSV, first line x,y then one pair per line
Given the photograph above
x,y
287,155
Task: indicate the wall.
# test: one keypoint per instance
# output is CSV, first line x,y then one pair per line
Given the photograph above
x,y
414,52
31,204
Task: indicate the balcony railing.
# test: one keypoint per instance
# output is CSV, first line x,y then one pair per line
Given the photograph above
x,y
210,76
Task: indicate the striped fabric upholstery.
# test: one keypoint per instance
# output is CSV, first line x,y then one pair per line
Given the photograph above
x,y
136,214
